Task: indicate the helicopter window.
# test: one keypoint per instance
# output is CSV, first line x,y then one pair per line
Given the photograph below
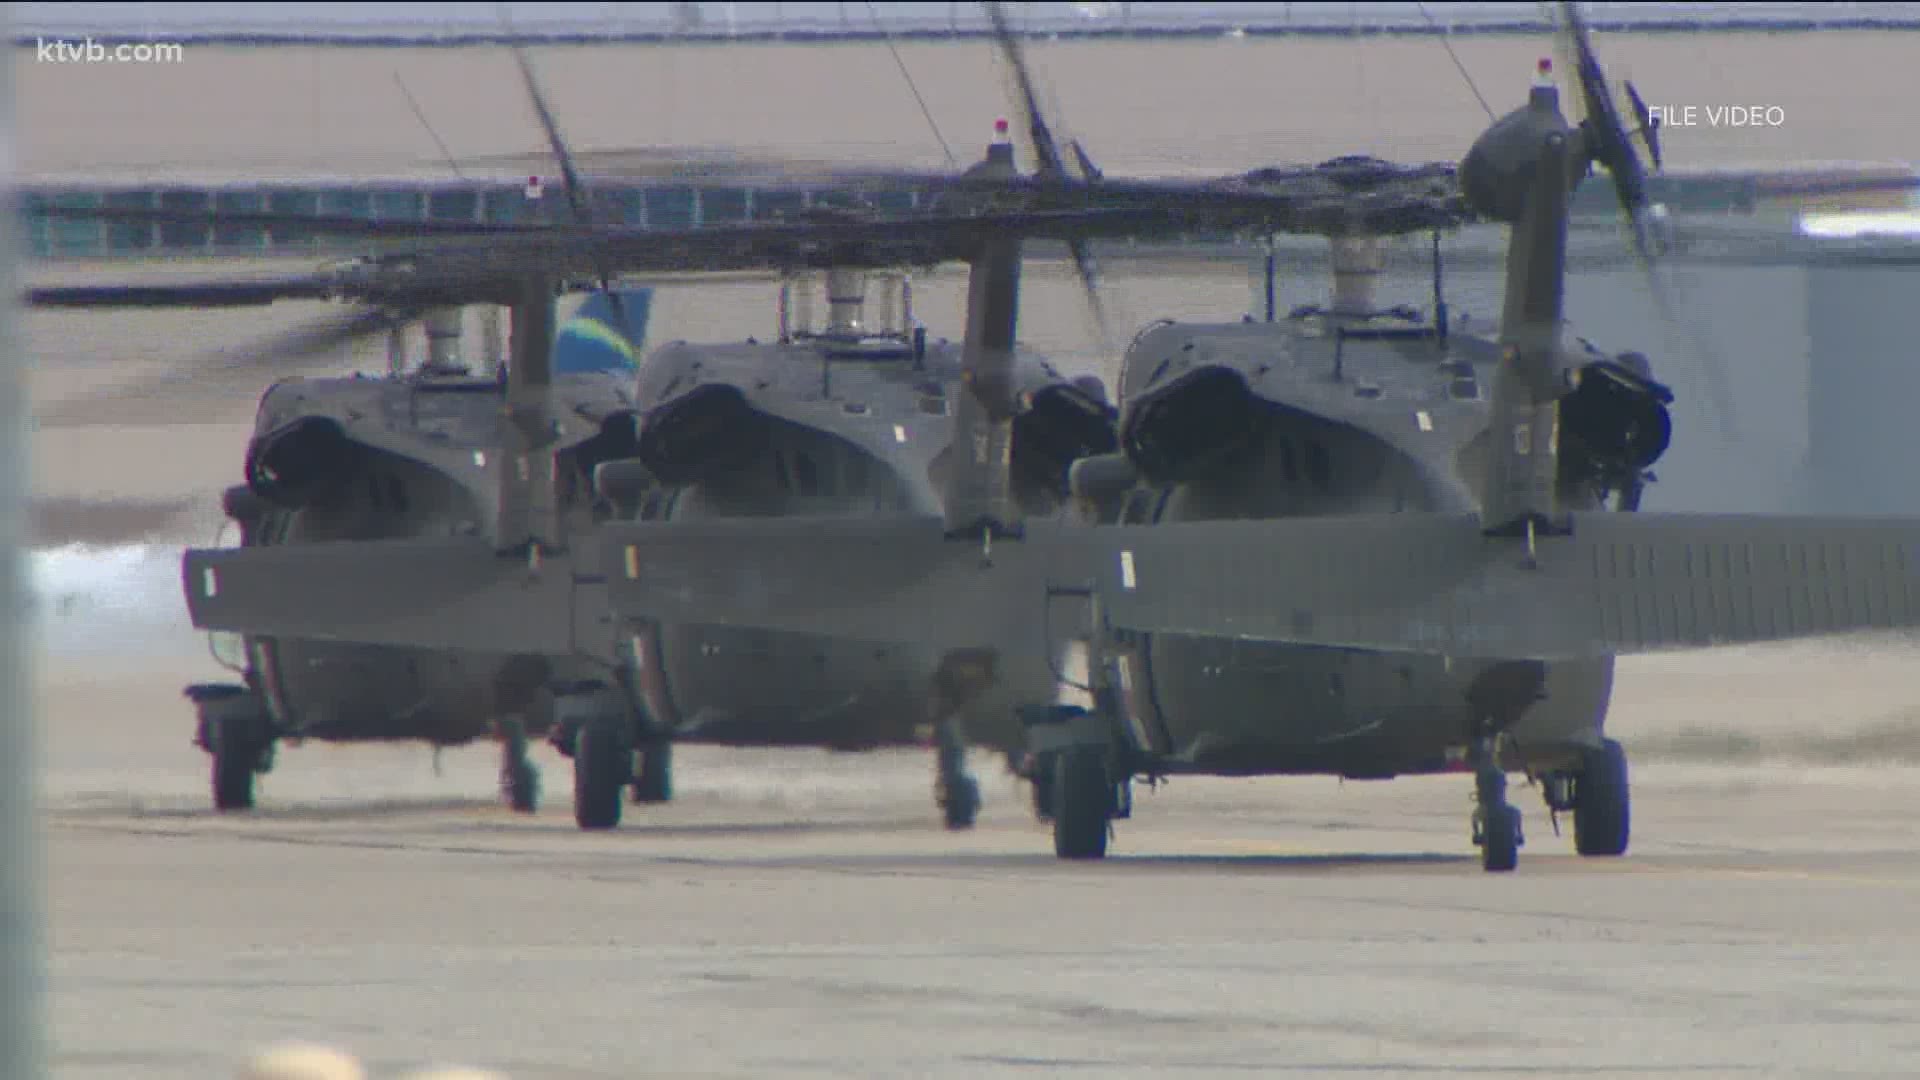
x,y
1466,388
1287,467
806,475
374,494
397,494
1319,468
854,476
780,481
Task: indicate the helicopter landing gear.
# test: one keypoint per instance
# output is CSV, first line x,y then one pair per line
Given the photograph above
x,y
1496,822
519,779
1037,770
653,774
235,728
959,681
1601,806
1596,792
955,790
594,726
1078,782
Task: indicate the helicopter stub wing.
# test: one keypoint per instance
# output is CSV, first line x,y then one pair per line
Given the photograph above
x,y
1433,584
447,593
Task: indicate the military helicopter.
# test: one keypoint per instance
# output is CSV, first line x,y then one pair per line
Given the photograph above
x,y
876,579
417,452
1338,554
404,453
422,454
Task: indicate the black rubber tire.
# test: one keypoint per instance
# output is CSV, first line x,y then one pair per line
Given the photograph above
x,y
1082,804
960,805
653,774
602,768
523,788
233,772
1500,838
1602,805
1043,787
234,734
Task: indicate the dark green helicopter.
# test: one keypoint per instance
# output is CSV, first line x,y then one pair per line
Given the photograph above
x,y
1349,544
1496,581
847,419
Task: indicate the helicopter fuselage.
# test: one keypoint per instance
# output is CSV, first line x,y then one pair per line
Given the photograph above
x,y
824,425
1320,415
387,458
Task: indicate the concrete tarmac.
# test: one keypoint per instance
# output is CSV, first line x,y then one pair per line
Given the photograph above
x,y
802,914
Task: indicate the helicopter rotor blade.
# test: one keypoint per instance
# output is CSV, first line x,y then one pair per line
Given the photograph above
x,y
577,196
198,294
1051,165
325,338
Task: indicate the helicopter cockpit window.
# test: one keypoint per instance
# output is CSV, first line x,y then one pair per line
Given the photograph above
x,y
1319,467
806,475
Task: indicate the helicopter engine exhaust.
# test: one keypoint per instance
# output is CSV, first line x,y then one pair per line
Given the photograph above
x,y
294,465
1061,425
1616,422
1191,424
711,429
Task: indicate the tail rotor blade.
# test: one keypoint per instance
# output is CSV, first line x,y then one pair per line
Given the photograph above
x,y
1610,145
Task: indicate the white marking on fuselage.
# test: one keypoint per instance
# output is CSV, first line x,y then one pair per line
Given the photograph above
x,y
1126,570
1425,420
1072,665
633,563
899,433
210,582
479,459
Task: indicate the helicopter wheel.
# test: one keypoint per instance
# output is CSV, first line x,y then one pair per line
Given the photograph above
x,y
959,800
519,780
1601,807
1083,802
1042,780
602,768
653,778
1496,822
237,733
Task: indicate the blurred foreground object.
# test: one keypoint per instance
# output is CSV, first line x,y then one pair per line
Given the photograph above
x,y
303,1061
